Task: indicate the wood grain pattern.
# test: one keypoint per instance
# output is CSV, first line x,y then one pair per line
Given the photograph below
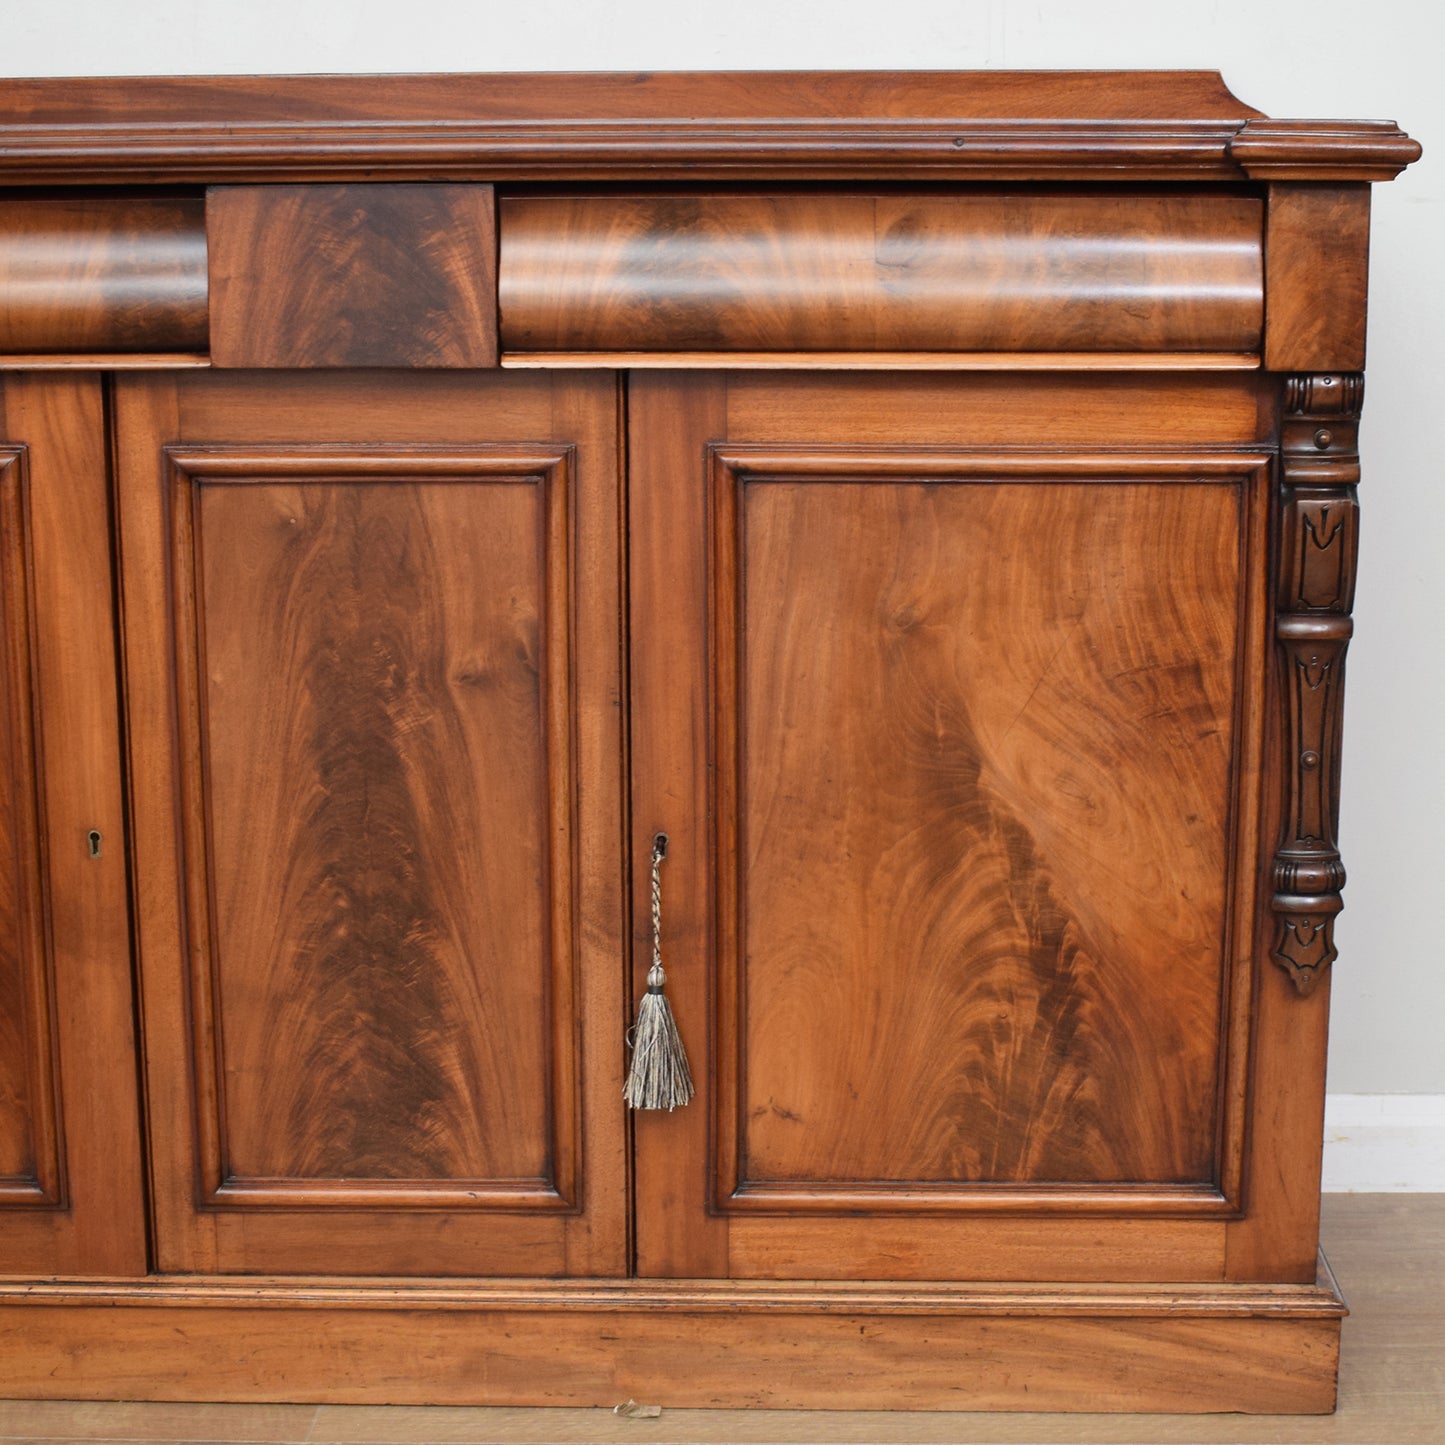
x,y
74,1200
358,275
809,448
371,721
30,1147
1278,1236
1388,1249
998,410
979,272
955,963
1318,239
379,721
1162,125
669,419
636,95
79,274
1171,1348
1017,1240
233,405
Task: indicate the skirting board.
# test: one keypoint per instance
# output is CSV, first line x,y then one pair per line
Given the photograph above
x,y
1384,1144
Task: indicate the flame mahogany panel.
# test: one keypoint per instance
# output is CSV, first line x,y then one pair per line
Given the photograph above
x,y
352,275
790,273
984,805
385,649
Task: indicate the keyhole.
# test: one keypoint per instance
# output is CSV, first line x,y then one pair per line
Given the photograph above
x,y
92,839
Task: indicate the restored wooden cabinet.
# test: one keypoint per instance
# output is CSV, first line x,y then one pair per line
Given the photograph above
x,y
928,500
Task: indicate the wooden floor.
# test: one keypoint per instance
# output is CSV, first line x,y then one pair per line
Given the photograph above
x,y
1387,1249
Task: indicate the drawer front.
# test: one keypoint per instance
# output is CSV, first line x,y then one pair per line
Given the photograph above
x,y
95,275
993,272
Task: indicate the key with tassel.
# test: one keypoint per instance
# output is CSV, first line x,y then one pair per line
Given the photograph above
x,y
659,1077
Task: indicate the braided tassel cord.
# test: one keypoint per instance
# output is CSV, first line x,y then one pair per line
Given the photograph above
x,y
659,1077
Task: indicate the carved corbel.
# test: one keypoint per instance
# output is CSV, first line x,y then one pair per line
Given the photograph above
x,y
1320,466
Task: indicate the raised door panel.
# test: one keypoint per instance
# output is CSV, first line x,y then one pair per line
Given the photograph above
x,y
386,703
965,926
70,1175
980,790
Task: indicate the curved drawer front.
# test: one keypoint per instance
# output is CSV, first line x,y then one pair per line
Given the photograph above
x,y
1034,272
103,275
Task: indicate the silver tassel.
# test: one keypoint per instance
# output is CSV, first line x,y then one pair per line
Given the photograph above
x,y
659,1077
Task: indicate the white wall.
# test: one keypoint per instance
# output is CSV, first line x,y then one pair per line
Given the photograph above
x,y
1325,58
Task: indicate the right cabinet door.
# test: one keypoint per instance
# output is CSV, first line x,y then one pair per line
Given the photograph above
x,y
949,693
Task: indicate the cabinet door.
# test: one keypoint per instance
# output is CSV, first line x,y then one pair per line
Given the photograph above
x,y
373,672
71,1198
957,745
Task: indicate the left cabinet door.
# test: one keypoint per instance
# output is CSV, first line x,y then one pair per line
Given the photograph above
x,y
373,672
71,1194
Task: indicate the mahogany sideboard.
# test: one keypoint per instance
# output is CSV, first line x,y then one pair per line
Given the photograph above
x,y
928,500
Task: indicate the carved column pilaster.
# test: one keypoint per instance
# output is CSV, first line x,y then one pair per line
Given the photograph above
x,y
1320,466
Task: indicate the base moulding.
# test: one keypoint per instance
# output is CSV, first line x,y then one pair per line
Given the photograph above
x,y
1259,1348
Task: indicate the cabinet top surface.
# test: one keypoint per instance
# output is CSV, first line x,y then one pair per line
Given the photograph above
x,y
840,125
